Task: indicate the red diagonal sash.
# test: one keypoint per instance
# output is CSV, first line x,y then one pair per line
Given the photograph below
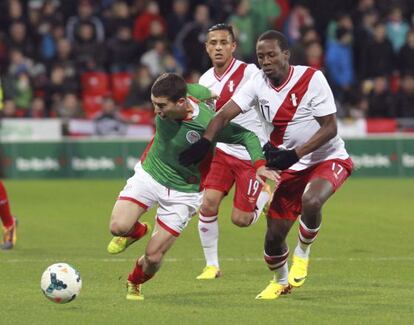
x,y
228,88
289,106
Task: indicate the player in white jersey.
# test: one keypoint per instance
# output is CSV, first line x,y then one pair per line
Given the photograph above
x,y
231,163
298,110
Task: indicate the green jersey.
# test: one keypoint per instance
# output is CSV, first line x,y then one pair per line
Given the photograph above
x,y
174,136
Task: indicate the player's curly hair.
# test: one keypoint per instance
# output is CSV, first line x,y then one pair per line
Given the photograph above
x,y
275,35
169,85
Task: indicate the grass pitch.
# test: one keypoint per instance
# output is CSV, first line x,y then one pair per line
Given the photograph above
x,y
360,273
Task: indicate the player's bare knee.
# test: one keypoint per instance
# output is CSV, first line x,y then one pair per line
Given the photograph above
x,y
209,208
241,220
118,228
311,203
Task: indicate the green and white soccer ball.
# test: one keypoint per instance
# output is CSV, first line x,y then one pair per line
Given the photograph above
x,y
61,283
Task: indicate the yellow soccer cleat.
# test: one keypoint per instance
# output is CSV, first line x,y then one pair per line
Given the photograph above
x,y
210,272
273,291
9,236
134,291
298,272
118,244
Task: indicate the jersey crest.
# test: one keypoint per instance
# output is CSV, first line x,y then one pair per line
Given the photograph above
x,y
192,136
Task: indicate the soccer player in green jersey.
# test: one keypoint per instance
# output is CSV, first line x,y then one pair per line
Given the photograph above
x,y
159,178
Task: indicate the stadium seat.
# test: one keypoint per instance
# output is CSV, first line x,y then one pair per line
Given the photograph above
x,y
138,116
95,83
92,105
120,83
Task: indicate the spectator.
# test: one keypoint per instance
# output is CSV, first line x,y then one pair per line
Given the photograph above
x,y
298,50
85,16
109,121
122,50
377,58
89,54
343,20
265,13
18,39
154,57
244,23
139,95
67,108
314,55
397,29
38,108
406,55
299,18
9,110
191,40
380,100
119,16
405,97
339,63
142,23
177,18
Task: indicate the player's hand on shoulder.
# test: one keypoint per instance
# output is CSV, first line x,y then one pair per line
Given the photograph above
x,y
279,158
195,153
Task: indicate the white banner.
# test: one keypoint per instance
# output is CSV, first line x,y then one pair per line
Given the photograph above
x,y
22,129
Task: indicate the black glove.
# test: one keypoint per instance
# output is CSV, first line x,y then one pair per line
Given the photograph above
x,y
195,153
277,158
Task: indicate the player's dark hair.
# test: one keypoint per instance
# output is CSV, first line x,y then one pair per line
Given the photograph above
x,y
169,85
223,26
275,35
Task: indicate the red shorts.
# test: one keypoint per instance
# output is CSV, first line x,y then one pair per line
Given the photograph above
x,y
225,170
287,200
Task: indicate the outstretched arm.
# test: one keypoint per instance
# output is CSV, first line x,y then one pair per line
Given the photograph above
x,y
197,151
282,159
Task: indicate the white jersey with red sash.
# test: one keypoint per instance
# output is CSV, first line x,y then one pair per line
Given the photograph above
x,y
289,111
226,86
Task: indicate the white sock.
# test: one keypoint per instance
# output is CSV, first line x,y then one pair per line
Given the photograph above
x,y
209,233
281,274
260,204
306,237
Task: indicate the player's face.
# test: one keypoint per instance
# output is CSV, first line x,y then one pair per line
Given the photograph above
x,y
273,61
220,47
167,109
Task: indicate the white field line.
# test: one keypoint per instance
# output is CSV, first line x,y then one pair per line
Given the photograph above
x,y
224,259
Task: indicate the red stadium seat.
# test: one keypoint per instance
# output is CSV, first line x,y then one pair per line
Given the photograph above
x,y
138,116
92,105
120,83
95,83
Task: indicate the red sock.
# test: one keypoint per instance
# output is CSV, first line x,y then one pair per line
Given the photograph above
x,y
5,215
138,276
138,230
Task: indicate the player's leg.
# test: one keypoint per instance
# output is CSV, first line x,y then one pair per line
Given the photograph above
x,y
125,227
9,223
148,264
276,253
209,232
218,183
284,210
137,196
250,196
173,214
324,180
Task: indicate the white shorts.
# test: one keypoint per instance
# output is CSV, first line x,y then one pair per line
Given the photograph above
x,y
175,208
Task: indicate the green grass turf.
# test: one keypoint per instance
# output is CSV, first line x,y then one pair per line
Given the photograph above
x,y
361,268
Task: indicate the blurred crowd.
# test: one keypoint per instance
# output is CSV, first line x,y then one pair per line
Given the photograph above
x,y
98,59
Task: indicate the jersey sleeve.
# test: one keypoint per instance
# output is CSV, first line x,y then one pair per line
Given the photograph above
x,y
198,91
321,97
245,97
236,134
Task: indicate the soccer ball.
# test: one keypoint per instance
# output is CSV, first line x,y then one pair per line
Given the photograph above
x,y
61,283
